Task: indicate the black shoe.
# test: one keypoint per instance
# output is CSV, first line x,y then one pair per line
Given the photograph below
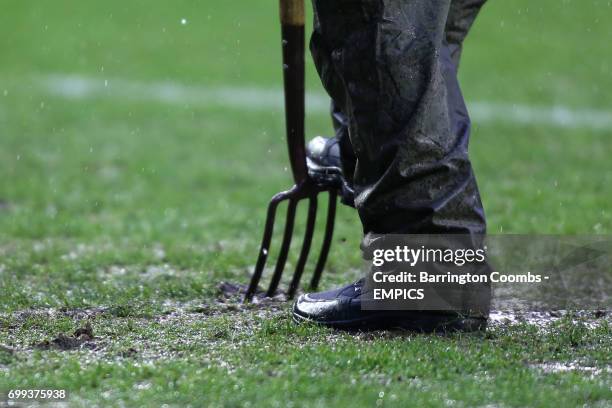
x,y
325,166
341,308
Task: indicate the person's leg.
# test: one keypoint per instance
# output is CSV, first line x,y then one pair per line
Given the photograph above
x,y
460,19
387,66
462,14
381,62
341,133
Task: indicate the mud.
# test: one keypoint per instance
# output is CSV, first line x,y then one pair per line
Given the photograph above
x,y
129,353
234,292
78,314
215,322
82,338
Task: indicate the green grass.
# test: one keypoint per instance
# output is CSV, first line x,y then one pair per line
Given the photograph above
x,y
128,213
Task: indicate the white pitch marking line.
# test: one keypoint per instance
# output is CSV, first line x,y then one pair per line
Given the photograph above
x,y
256,98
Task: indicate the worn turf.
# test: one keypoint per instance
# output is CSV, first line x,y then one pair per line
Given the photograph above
x,y
125,213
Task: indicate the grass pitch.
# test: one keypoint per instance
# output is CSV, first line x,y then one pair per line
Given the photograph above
x,y
124,204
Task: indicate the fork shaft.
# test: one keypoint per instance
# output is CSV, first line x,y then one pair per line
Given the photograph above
x,y
293,43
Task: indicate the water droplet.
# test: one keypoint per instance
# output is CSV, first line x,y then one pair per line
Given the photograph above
x,y
285,66
183,21
90,149
265,251
106,83
5,92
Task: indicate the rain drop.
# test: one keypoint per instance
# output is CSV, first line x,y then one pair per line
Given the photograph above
x,y
183,21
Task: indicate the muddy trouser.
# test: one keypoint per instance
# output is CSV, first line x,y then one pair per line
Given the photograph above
x,y
390,67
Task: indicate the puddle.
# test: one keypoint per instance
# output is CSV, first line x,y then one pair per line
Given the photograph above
x,y
553,368
543,319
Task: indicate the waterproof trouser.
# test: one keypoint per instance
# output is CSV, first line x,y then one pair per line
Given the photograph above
x,y
390,67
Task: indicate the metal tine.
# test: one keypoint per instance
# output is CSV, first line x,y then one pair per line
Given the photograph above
x,y
327,240
306,243
284,251
265,244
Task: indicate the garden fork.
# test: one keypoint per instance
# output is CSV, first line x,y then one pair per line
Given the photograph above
x,y
292,29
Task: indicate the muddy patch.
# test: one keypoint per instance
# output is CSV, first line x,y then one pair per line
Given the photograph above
x,y
82,337
78,314
119,273
234,293
228,301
